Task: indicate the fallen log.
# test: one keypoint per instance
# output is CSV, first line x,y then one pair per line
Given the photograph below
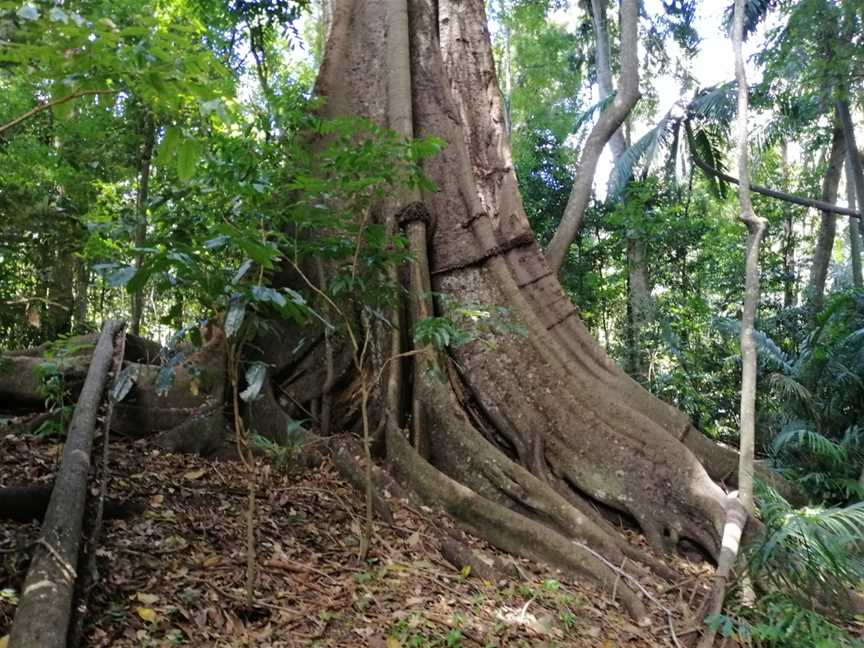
x,y
44,612
28,503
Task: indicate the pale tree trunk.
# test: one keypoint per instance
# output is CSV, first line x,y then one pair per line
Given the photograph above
x,y
608,123
738,510
82,287
639,303
854,228
827,227
603,61
506,70
755,231
789,273
854,176
142,198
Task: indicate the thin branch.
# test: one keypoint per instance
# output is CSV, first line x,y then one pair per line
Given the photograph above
x,y
50,104
821,205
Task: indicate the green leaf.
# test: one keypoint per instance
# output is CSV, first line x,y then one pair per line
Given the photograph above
x,y
168,146
121,276
188,154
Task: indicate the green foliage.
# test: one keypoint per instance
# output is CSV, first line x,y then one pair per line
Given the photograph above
x,y
52,384
779,621
808,552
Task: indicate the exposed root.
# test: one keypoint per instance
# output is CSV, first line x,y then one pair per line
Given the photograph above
x,y
461,556
503,527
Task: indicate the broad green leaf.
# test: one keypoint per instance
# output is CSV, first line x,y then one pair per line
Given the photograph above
x,y
188,154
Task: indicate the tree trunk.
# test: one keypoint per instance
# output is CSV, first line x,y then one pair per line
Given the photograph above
x,y
789,281
521,440
603,61
43,615
854,176
148,132
82,286
638,287
608,123
639,305
828,226
854,229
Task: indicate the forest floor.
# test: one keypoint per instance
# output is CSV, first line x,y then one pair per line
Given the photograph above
x,y
175,574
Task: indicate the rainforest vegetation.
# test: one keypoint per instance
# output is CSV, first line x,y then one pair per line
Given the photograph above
x,y
581,277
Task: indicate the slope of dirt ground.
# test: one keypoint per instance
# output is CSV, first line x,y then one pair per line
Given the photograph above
x,y
175,574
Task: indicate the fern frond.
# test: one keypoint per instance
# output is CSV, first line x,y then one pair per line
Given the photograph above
x,y
799,437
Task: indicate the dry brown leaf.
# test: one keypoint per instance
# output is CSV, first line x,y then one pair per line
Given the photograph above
x,y
192,475
146,599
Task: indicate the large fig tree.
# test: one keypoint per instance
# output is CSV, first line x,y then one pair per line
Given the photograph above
x,y
521,442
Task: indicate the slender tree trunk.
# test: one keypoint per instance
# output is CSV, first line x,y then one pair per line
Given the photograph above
x,y
603,61
148,130
639,304
506,68
789,287
854,229
82,288
755,230
608,123
855,176
828,226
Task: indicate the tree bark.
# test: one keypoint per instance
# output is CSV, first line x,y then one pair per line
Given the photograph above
x,y
638,287
603,61
43,614
854,229
755,230
789,272
608,123
855,176
142,199
521,440
827,227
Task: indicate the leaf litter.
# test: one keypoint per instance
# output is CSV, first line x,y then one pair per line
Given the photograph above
x,y
174,575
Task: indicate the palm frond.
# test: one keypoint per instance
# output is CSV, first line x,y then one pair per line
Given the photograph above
x,y
705,146
798,436
790,389
717,104
592,110
808,549
754,13
768,351
646,148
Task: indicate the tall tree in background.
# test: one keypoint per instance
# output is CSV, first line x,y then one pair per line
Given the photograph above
x,y
608,123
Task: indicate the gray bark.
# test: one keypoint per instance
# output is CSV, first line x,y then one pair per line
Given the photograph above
x,y
854,229
855,173
827,227
603,61
755,230
141,202
43,615
609,121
